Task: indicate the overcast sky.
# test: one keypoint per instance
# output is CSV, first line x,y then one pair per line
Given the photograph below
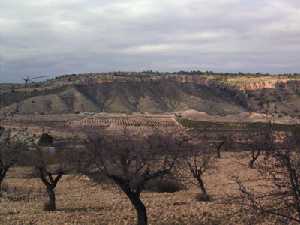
x,y
52,37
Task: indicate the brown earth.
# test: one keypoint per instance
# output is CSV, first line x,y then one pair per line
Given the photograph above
x,y
80,201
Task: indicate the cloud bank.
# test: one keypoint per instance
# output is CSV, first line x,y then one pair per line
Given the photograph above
x,y
51,37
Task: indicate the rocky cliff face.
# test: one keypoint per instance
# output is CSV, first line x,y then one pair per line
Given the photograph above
x,y
133,92
240,82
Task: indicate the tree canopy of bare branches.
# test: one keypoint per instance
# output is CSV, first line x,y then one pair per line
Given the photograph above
x,y
133,160
280,166
199,160
50,164
11,149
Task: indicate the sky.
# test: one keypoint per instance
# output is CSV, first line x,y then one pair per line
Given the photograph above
x,y
55,37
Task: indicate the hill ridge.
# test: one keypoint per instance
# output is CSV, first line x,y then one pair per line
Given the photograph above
x,y
215,94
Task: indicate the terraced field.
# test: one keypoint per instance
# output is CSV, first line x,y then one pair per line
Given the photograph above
x,y
140,124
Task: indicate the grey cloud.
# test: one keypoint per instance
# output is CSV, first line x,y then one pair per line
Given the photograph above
x,y
70,36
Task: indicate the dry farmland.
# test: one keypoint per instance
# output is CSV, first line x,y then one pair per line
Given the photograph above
x,y
80,201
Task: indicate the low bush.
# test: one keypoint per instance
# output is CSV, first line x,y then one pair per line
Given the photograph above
x,y
99,178
164,185
16,193
203,198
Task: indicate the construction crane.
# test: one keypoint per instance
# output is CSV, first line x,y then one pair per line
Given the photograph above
x,y
31,79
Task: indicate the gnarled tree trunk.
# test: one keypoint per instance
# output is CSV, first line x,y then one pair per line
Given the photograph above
x,y
134,197
1,180
205,196
52,199
140,208
2,176
50,182
254,157
219,147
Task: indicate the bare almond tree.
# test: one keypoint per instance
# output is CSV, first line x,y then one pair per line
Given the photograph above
x,y
281,168
199,158
222,143
49,164
198,164
261,142
132,160
11,150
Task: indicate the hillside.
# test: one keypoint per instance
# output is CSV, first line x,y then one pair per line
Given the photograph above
x,y
215,94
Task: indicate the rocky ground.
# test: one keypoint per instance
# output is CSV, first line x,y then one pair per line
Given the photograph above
x,y
80,201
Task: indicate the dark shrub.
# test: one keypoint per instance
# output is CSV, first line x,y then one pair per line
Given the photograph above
x,y
46,140
164,185
99,178
203,198
34,173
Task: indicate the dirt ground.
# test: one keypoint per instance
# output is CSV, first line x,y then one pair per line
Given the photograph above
x,y
80,201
